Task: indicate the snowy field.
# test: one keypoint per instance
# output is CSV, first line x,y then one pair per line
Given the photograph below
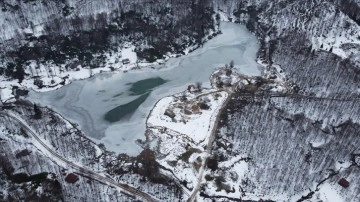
x,y
196,125
85,102
182,135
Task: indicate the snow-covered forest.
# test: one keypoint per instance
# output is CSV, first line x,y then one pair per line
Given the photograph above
x,y
293,146
30,170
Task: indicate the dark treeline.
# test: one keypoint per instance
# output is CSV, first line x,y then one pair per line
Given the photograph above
x,y
154,27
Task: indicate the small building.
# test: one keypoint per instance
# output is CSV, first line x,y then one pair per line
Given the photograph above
x,y
126,61
344,183
71,178
170,113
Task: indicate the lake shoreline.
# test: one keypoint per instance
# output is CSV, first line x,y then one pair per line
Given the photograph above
x,y
86,101
84,73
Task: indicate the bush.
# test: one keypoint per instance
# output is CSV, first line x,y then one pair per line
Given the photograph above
x,y
213,164
38,112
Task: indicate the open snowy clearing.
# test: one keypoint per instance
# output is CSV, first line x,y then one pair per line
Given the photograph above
x,y
182,125
189,119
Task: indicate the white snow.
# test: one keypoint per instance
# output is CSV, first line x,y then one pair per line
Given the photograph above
x,y
328,193
277,88
196,126
173,146
128,53
52,75
234,166
98,151
342,165
5,93
226,17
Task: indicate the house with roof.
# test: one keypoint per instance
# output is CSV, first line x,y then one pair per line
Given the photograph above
x,y
71,178
126,61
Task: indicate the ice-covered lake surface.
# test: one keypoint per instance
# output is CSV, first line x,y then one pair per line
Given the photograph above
x,y
91,102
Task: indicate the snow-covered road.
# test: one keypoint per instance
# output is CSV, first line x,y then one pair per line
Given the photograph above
x,y
47,150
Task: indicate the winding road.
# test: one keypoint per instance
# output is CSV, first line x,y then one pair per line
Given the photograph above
x,y
209,146
106,180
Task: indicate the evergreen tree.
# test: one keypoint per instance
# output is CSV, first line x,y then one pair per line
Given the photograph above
x,y
38,112
232,64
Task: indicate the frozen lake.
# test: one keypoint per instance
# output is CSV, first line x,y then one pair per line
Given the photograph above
x,y
111,108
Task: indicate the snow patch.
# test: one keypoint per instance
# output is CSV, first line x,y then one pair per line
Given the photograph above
x,y
128,52
328,193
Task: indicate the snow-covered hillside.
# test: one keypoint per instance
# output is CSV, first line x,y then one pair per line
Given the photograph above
x,y
290,135
315,42
40,150
288,145
46,45
294,147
